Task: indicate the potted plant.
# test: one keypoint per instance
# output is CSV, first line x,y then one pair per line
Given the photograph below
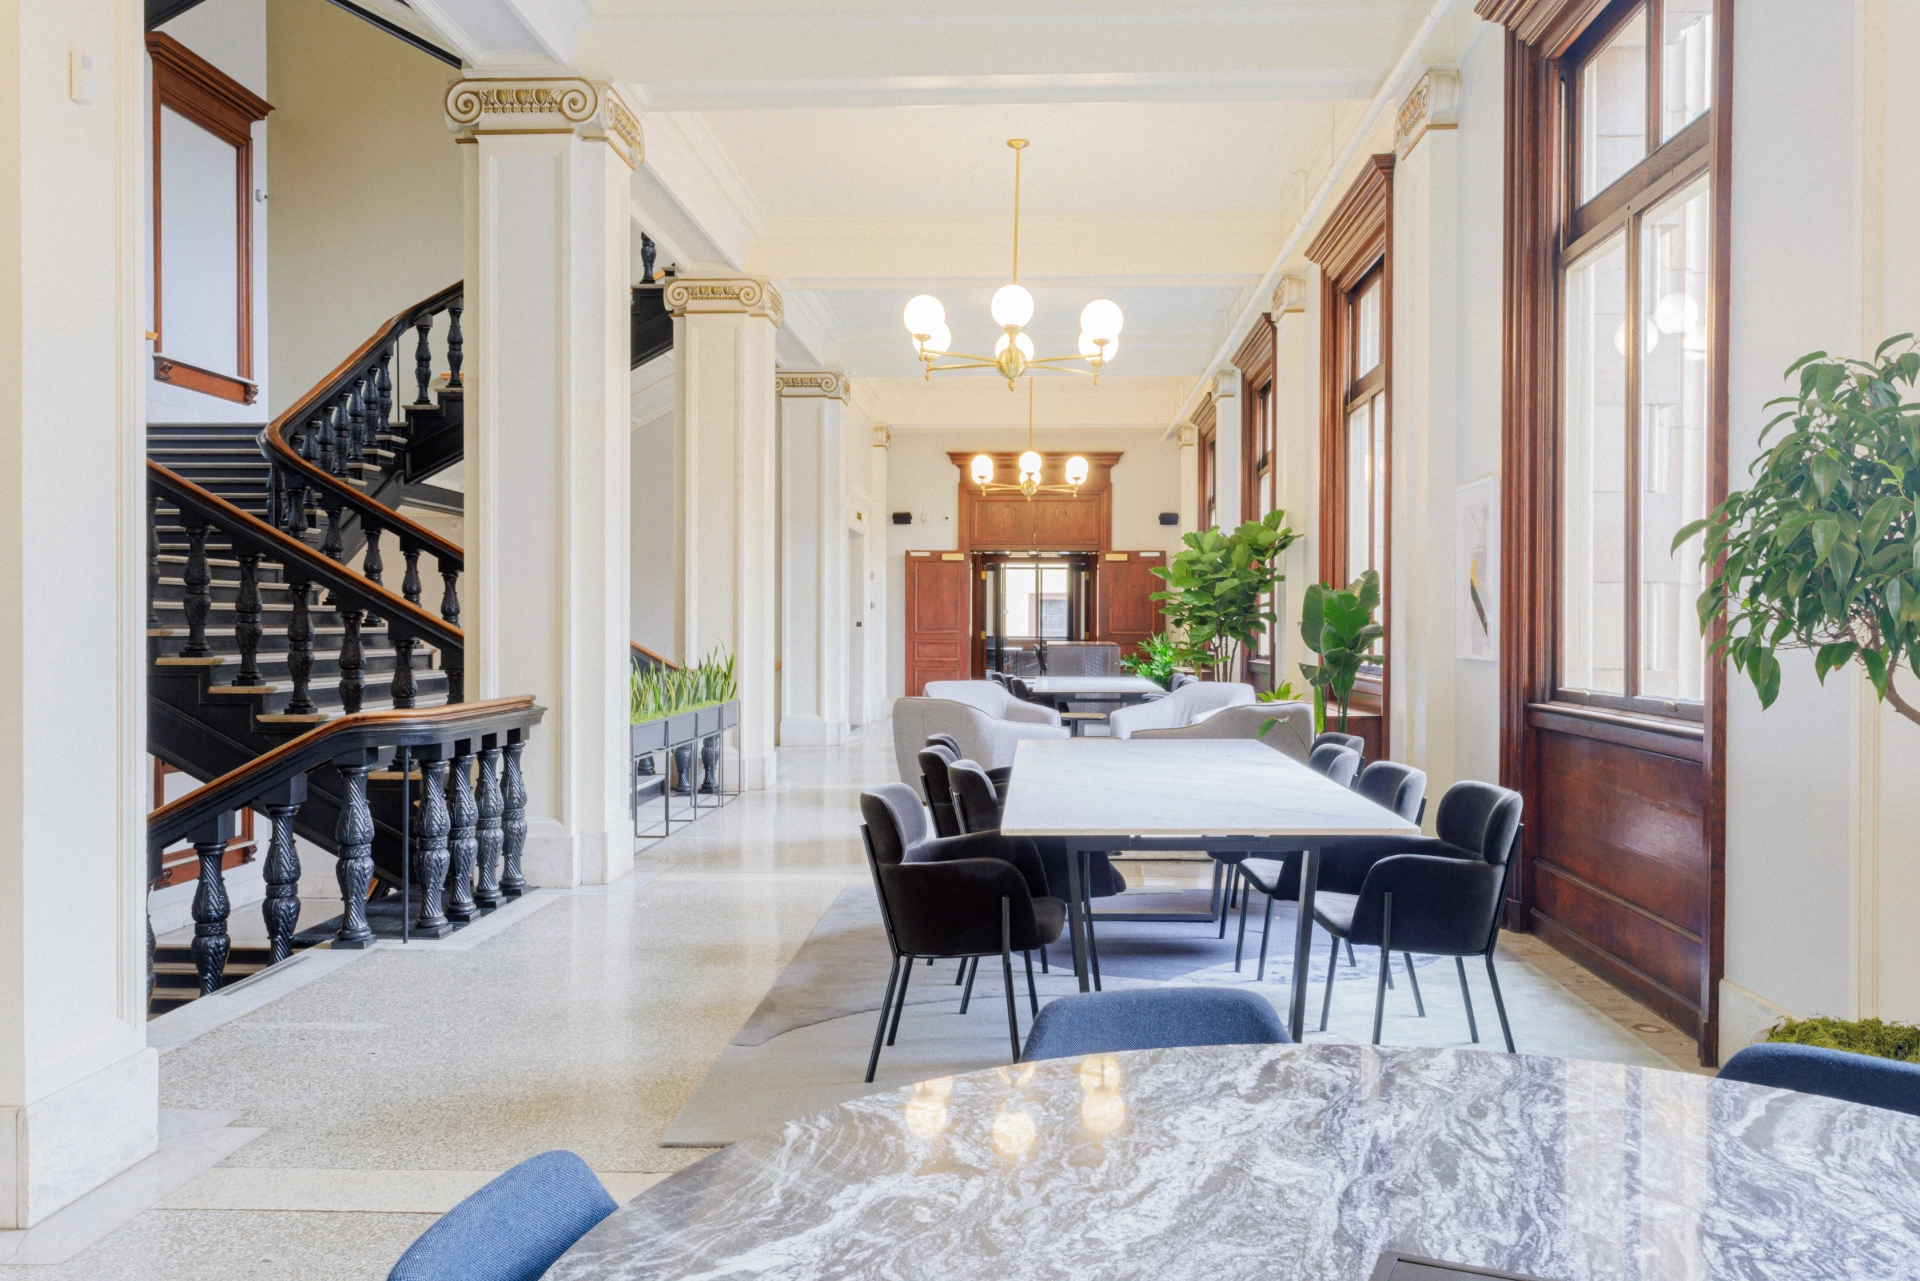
x,y
1821,551
1337,624
1856,1036
1218,589
1155,659
675,707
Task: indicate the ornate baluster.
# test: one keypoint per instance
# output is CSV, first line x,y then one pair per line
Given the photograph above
x,y
300,645
356,419
410,581
247,613
383,389
456,679
211,905
455,354
353,834
404,689
486,890
513,821
371,566
423,361
198,596
462,845
333,544
430,825
648,251
330,440
352,663
281,910
450,596
153,561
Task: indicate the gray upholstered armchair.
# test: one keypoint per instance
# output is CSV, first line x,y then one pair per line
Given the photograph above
x,y
1179,709
994,699
1291,733
982,737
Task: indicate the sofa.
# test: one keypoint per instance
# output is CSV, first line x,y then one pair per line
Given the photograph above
x,y
1290,735
987,739
1181,708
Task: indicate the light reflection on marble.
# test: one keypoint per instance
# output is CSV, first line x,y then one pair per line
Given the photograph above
x,y
1290,1161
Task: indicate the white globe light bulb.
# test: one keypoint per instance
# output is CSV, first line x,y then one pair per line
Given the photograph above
x,y
924,314
1030,463
1012,305
1024,343
1102,319
1076,470
982,469
939,340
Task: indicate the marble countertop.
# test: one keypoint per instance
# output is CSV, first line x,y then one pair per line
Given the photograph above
x,y
1180,788
1292,1162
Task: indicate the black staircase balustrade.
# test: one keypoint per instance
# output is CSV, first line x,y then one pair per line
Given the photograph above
x,y
198,596
153,561
300,648
513,821
423,361
247,615
446,742
456,347
353,662
371,566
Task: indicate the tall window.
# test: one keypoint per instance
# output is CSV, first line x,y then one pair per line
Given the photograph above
x,y
1209,477
1366,427
1635,295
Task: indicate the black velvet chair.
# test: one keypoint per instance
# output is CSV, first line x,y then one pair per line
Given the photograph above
x,y
934,759
956,897
1354,741
1435,896
1343,860
947,741
1153,1019
1338,763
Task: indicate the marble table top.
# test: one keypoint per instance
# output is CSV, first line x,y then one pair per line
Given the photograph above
x,y
1068,686
1192,787
1292,1162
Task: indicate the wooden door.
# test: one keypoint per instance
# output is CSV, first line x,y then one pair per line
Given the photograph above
x,y
939,631
1124,607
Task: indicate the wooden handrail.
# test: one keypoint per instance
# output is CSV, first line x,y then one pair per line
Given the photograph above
x,y
652,657
330,574
280,451
389,727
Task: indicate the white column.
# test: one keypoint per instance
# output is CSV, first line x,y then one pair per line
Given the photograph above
x,y
724,411
1189,479
1297,444
1426,300
1226,448
878,694
79,1089
547,439
814,612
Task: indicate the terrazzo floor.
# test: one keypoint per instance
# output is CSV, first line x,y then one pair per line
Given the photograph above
x,y
381,1088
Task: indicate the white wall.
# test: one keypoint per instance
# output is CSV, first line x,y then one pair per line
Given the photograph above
x,y
920,479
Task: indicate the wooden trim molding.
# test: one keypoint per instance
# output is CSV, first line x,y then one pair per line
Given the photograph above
x,y
1096,493
1550,26
193,378
1256,361
196,90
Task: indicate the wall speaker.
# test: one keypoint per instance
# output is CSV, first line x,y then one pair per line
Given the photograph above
x,y
903,518
1169,518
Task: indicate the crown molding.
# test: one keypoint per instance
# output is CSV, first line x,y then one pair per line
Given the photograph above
x,y
1550,26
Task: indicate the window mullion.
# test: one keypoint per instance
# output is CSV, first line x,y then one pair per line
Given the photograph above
x,y
1656,24
1636,352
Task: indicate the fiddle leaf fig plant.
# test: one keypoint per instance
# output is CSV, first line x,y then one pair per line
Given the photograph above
x,y
1821,550
1337,624
1219,586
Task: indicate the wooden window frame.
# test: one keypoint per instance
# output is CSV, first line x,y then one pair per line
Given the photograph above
x,y
1256,360
1356,243
1206,440
197,91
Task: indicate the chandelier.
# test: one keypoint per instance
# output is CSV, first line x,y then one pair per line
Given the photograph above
x,y
1029,464
1012,309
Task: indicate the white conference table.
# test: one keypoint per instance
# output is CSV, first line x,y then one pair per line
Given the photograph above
x,y
1211,795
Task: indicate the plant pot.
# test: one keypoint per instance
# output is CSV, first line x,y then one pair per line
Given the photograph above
x,y
730,713
649,736
682,727
709,720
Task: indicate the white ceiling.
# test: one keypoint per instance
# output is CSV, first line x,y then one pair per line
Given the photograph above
x,y
854,151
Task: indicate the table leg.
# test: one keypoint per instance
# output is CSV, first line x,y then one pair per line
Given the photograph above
x,y
1303,939
1076,922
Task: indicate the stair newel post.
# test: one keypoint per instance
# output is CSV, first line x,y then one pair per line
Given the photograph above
x,y
430,827
371,566
463,846
353,834
456,355
489,838
513,820
210,904
353,663
247,613
281,909
300,644
153,561
423,361
197,598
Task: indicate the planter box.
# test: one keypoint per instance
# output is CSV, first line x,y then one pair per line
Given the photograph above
x,y
709,721
681,728
649,736
730,713
684,727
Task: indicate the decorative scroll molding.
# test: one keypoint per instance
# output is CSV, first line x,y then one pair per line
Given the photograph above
x,y
586,108
813,383
1433,104
882,435
1291,296
695,296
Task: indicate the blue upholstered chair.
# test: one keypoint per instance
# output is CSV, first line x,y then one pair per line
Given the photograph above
x,y
512,1229
1814,1069
1152,1019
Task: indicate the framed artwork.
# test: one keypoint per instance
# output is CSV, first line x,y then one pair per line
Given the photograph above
x,y
1477,570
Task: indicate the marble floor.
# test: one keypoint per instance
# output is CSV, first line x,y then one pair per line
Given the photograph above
x,y
318,1117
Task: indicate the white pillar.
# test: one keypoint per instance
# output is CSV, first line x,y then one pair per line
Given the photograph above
x,y
724,411
79,1089
878,611
547,438
1297,445
814,613
1189,479
1226,448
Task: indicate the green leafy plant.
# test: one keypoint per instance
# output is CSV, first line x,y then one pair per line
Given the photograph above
x,y
1856,1036
1337,624
1820,551
1155,659
658,690
1283,694
1218,587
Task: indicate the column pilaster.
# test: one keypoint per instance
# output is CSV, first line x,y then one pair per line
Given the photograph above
x,y
814,612
1226,399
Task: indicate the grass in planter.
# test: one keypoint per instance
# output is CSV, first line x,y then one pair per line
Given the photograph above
x,y
1857,1036
658,691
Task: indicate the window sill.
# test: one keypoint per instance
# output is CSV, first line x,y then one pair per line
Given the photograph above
x,y
1665,735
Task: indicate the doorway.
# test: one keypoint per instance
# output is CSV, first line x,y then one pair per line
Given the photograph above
x,y
857,594
1028,599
